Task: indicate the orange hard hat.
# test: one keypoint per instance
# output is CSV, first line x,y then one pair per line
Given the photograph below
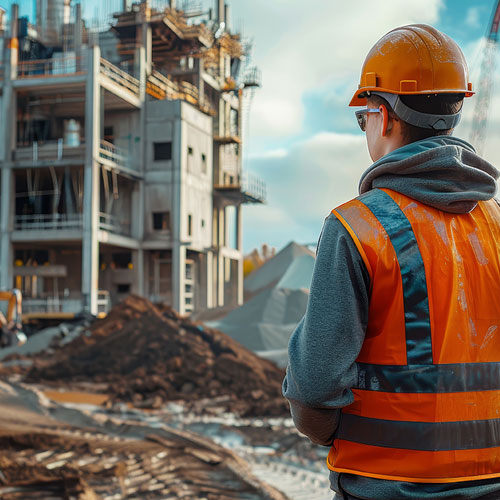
x,y
414,59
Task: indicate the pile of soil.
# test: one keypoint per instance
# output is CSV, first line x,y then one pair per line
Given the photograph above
x,y
148,355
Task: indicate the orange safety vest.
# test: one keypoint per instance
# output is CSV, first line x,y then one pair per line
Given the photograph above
x,y
427,404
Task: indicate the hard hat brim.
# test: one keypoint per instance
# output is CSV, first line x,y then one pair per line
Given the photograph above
x,y
361,101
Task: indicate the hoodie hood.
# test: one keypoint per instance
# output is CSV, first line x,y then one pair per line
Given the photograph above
x,y
443,172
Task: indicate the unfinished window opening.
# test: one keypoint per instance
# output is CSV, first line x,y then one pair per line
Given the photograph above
x,y
24,257
161,221
121,260
109,135
160,277
204,163
123,288
162,151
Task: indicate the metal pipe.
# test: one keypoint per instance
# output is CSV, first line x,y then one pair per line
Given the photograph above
x,y
68,193
14,16
78,36
227,16
66,11
219,11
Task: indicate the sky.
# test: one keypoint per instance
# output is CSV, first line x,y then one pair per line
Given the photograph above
x,y
303,139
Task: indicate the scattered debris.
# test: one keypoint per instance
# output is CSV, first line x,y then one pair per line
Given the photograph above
x,y
48,459
47,338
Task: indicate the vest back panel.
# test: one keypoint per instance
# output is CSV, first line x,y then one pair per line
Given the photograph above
x,y
426,408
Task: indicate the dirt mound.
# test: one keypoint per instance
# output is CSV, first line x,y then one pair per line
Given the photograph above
x,y
148,355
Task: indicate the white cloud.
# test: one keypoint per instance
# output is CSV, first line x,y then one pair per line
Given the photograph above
x,y
273,153
303,45
303,187
474,52
472,17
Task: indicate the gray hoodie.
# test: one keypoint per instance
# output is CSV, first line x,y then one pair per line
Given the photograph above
x,y
443,172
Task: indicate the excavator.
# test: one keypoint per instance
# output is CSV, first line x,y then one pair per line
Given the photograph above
x,y
10,323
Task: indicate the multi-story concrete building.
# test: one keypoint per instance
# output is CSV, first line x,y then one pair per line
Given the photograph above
x,y
121,159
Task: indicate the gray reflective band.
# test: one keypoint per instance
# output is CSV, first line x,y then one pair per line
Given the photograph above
x,y
411,265
423,436
418,119
455,377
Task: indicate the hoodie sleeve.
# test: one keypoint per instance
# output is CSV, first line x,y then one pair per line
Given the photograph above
x,y
325,344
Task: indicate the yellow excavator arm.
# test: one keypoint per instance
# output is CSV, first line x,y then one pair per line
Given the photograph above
x,y
10,323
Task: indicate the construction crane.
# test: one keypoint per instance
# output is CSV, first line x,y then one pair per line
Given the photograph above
x,y
480,118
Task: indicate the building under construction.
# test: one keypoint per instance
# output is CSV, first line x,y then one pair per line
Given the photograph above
x,y
121,157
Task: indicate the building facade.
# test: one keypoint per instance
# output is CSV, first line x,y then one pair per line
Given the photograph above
x,y
121,160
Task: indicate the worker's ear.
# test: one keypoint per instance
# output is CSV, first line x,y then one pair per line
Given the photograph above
x,y
385,120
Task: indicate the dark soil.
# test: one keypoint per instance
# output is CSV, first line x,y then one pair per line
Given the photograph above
x,y
148,355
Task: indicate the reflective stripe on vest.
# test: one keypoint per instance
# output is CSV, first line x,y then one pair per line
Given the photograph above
x,y
416,306
426,408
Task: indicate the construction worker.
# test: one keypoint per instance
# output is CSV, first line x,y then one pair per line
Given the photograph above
x,y
396,363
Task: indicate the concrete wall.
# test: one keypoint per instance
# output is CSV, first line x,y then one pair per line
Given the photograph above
x,y
126,131
190,132
196,198
159,174
2,132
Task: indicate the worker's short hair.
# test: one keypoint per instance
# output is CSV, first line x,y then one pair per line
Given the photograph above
x,y
436,104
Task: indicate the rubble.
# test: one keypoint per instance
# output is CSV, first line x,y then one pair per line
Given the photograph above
x,y
43,340
147,355
48,458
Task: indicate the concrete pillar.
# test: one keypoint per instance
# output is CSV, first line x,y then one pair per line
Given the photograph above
x,y
78,38
220,10
8,127
227,16
6,258
201,82
90,244
13,45
220,258
143,75
178,277
178,214
138,267
140,272
210,279
239,245
147,43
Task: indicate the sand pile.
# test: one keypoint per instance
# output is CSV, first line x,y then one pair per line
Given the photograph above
x,y
147,355
291,267
277,295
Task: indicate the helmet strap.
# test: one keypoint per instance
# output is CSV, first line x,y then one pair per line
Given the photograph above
x,y
418,119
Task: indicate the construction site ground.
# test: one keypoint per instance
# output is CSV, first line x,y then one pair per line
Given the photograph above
x,y
70,431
